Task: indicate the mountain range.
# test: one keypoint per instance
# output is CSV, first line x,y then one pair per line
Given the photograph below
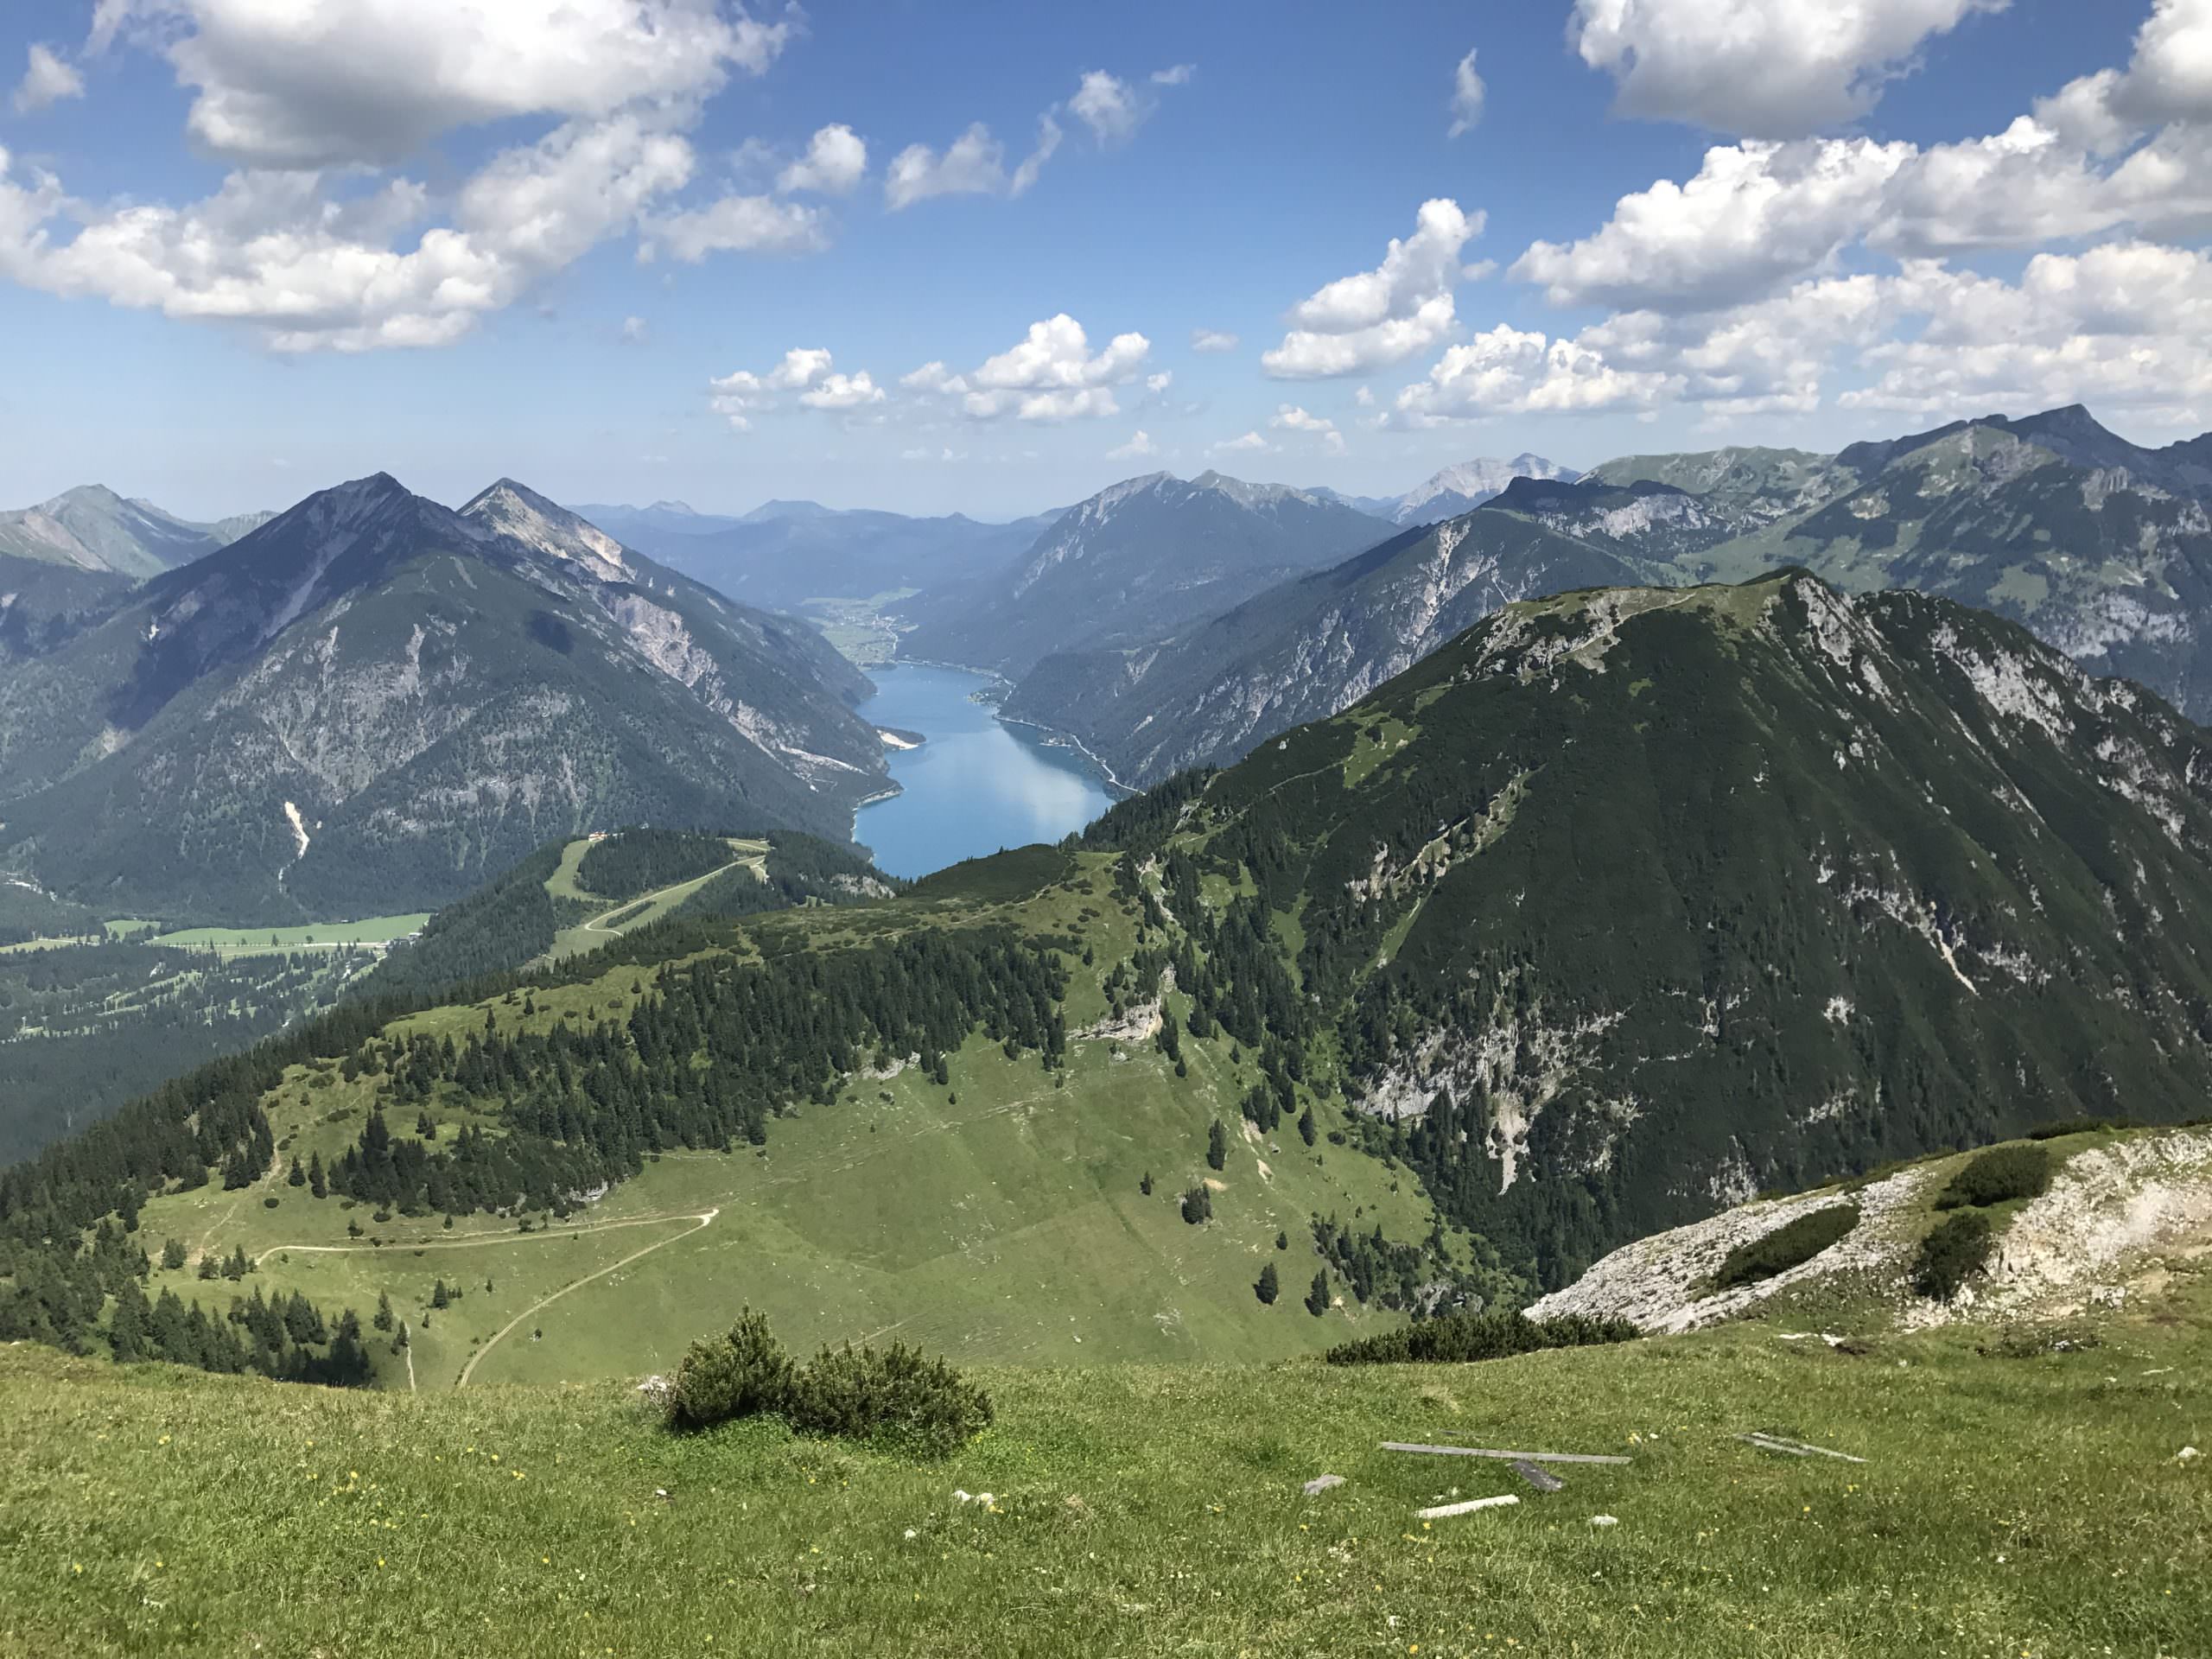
x,y
372,702
1146,557
92,528
2101,547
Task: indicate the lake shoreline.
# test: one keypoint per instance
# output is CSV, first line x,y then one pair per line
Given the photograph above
x,y
976,781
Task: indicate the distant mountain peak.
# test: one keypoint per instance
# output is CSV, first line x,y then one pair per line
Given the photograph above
x,y
684,507
1467,483
521,514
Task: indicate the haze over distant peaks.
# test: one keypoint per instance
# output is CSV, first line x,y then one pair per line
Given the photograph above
x,y
93,528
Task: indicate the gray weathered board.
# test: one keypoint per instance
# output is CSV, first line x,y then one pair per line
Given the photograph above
x,y
1542,1479
1793,1448
1508,1457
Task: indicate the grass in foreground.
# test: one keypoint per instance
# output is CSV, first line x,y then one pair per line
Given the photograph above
x,y
1145,1510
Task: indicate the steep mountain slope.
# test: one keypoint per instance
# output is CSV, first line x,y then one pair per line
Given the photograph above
x,y
39,601
1746,488
784,553
373,699
1141,561
2102,547
1303,649
93,528
1633,903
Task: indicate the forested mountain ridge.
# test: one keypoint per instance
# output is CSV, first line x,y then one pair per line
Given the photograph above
x,y
1141,561
373,698
2102,548
1303,649
1883,860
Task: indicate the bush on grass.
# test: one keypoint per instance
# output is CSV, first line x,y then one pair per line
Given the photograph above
x,y
1955,1251
1458,1337
2000,1174
1790,1245
899,1398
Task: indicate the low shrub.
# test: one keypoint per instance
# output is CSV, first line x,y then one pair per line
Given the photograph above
x,y
1458,1337
744,1373
2075,1126
1790,1245
899,1397
1955,1249
2002,1172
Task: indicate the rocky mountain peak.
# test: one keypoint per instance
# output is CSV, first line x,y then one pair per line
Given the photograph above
x,y
521,514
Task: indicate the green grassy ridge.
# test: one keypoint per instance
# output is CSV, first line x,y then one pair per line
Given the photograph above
x,y
1006,1224
1144,1509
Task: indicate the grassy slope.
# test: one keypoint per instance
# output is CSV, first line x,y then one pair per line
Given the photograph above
x,y
1147,1509
1006,1225
593,931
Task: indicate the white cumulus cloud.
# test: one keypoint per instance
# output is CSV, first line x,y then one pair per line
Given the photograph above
x,y
735,225
47,80
344,82
806,370
1377,317
974,164
1139,446
316,241
1250,444
1108,106
834,162
1759,68
1212,340
1052,375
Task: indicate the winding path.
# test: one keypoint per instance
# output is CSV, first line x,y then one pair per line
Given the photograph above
x,y
477,1241
705,1218
758,862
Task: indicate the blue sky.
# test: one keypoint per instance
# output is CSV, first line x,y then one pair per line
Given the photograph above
x,y
243,256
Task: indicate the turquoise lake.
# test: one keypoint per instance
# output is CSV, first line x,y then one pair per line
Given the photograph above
x,y
976,786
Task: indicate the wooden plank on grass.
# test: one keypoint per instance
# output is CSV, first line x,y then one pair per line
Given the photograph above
x,y
1794,1448
1508,1457
1542,1479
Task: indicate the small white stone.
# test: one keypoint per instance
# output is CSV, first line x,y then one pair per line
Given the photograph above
x,y
1603,1520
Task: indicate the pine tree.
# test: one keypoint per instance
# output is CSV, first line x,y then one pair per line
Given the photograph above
x,y
317,1183
383,1320
173,1254
128,1331
1218,1144
1145,1185
1269,1286
1282,1241
1308,1131
297,1177
1317,1300
1197,1204
440,1296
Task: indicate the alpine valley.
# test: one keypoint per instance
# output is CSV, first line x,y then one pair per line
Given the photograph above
x,y
1580,900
